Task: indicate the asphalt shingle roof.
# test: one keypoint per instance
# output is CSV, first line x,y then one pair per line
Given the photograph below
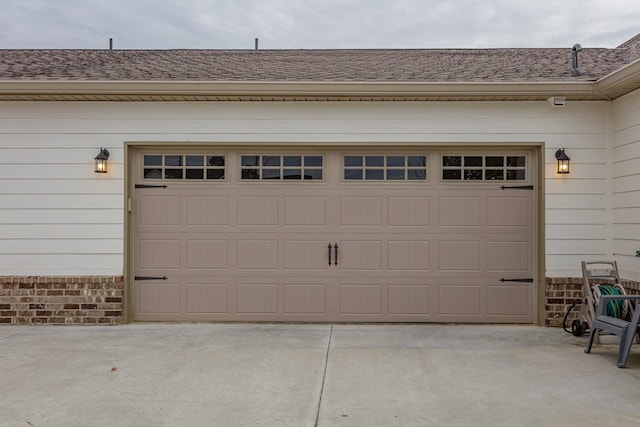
x,y
375,65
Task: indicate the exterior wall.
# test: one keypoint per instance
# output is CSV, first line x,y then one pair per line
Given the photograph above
x,y
626,184
562,292
59,218
61,300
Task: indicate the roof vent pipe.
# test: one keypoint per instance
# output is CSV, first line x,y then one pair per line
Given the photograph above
x,y
256,44
574,60
110,44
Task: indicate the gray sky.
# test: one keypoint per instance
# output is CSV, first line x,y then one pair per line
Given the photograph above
x,y
314,24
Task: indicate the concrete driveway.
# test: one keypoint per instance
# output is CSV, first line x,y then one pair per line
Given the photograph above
x,y
311,375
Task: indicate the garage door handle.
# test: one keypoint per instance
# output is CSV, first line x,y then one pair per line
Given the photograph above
x,y
329,251
336,249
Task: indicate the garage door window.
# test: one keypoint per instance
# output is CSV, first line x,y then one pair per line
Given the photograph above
x,y
385,168
282,167
484,168
184,167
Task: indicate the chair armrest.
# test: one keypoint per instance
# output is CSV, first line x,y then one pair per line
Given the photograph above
x,y
604,299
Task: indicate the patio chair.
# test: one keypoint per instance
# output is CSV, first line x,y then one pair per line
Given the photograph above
x,y
625,330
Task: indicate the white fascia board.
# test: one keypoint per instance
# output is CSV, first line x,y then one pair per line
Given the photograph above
x,y
227,88
625,79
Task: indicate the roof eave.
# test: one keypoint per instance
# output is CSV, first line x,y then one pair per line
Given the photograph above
x,y
252,90
620,82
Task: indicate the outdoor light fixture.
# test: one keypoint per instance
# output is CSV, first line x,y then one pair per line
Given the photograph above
x,y
101,161
563,161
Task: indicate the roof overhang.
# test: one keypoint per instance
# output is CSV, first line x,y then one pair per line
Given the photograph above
x,y
289,91
621,82
612,86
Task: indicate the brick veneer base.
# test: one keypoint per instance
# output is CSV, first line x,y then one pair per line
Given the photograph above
x,y
98,300
562,292
37,300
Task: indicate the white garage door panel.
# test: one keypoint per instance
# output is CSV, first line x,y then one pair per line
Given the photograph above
x,y
460,211
410,255
207,210
159,298
508,300
361,299
409,211
305,299
409,300
327,250
302,210
207,298
304,254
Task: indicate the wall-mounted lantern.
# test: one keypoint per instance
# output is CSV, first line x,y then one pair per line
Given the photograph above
x,y
101,161
563,161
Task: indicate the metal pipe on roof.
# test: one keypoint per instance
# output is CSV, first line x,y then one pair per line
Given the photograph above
x,y
575,71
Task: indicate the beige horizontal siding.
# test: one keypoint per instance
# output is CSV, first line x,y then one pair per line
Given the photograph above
x,y
626,184
47,151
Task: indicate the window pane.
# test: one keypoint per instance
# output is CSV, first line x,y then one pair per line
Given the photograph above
x,y
517,161
353,174
350,160
173,161
173,174
195,174
452,174
473,174
452,161
515,175
215,174
313,161
250,160
494,174
152,160
250,174
417,161
375,161
314,174
397,161
473,160
215,160
195,161
395,174
374,174
292,174
270,173
417,174
292,161
270,160
153,173
494,161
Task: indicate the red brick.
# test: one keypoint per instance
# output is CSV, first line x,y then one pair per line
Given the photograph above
x,y
113,313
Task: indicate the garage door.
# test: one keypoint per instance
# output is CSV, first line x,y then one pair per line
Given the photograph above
x,y
333,236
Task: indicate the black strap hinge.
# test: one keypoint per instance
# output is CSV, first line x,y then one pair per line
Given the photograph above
x,y
149,186
517,187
